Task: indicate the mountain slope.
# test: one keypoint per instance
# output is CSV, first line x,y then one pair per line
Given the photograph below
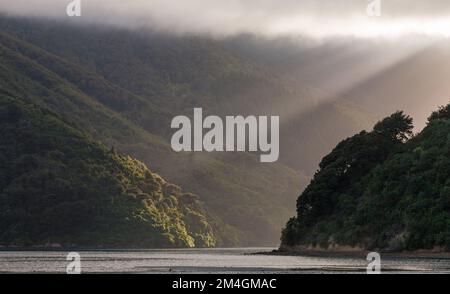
x,y
177,73
229,184
379,190
58,186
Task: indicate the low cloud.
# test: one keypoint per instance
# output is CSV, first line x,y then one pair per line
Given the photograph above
x,y
319,18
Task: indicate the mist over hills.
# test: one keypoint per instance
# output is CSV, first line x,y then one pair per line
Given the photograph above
x,y
230,184
123,87
379,75
174,74
216,18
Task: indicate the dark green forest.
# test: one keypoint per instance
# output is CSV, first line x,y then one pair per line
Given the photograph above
x,y
59,186
69,70
85,111
386,189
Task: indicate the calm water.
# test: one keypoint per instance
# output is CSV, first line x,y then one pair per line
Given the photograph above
x,y
206,261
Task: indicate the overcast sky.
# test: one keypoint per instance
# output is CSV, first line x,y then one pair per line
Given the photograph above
x,y
318,18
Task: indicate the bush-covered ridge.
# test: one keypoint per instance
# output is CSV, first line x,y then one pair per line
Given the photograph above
x,y
38,64
57,185
384,189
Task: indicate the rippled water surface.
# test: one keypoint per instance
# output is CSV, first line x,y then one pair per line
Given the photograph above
x,y
241,260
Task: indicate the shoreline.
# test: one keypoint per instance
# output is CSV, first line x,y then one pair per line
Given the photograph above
x,y
337,252
124,249
357,252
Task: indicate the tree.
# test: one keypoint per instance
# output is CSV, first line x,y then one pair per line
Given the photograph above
x,y
397,127
442,113
380,190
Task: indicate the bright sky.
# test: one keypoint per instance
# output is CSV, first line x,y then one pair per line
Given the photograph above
x,y
316,18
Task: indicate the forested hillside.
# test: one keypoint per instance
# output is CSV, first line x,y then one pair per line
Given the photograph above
x,y
59,187
84,92
384,189
173,74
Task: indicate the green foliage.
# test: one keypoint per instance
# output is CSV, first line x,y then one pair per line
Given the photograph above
x,y
396,127
379,190
123,89
442,113
57,185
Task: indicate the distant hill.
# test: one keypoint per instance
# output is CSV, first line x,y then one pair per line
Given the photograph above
x,y
173,74
59,187
383,189
232,186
